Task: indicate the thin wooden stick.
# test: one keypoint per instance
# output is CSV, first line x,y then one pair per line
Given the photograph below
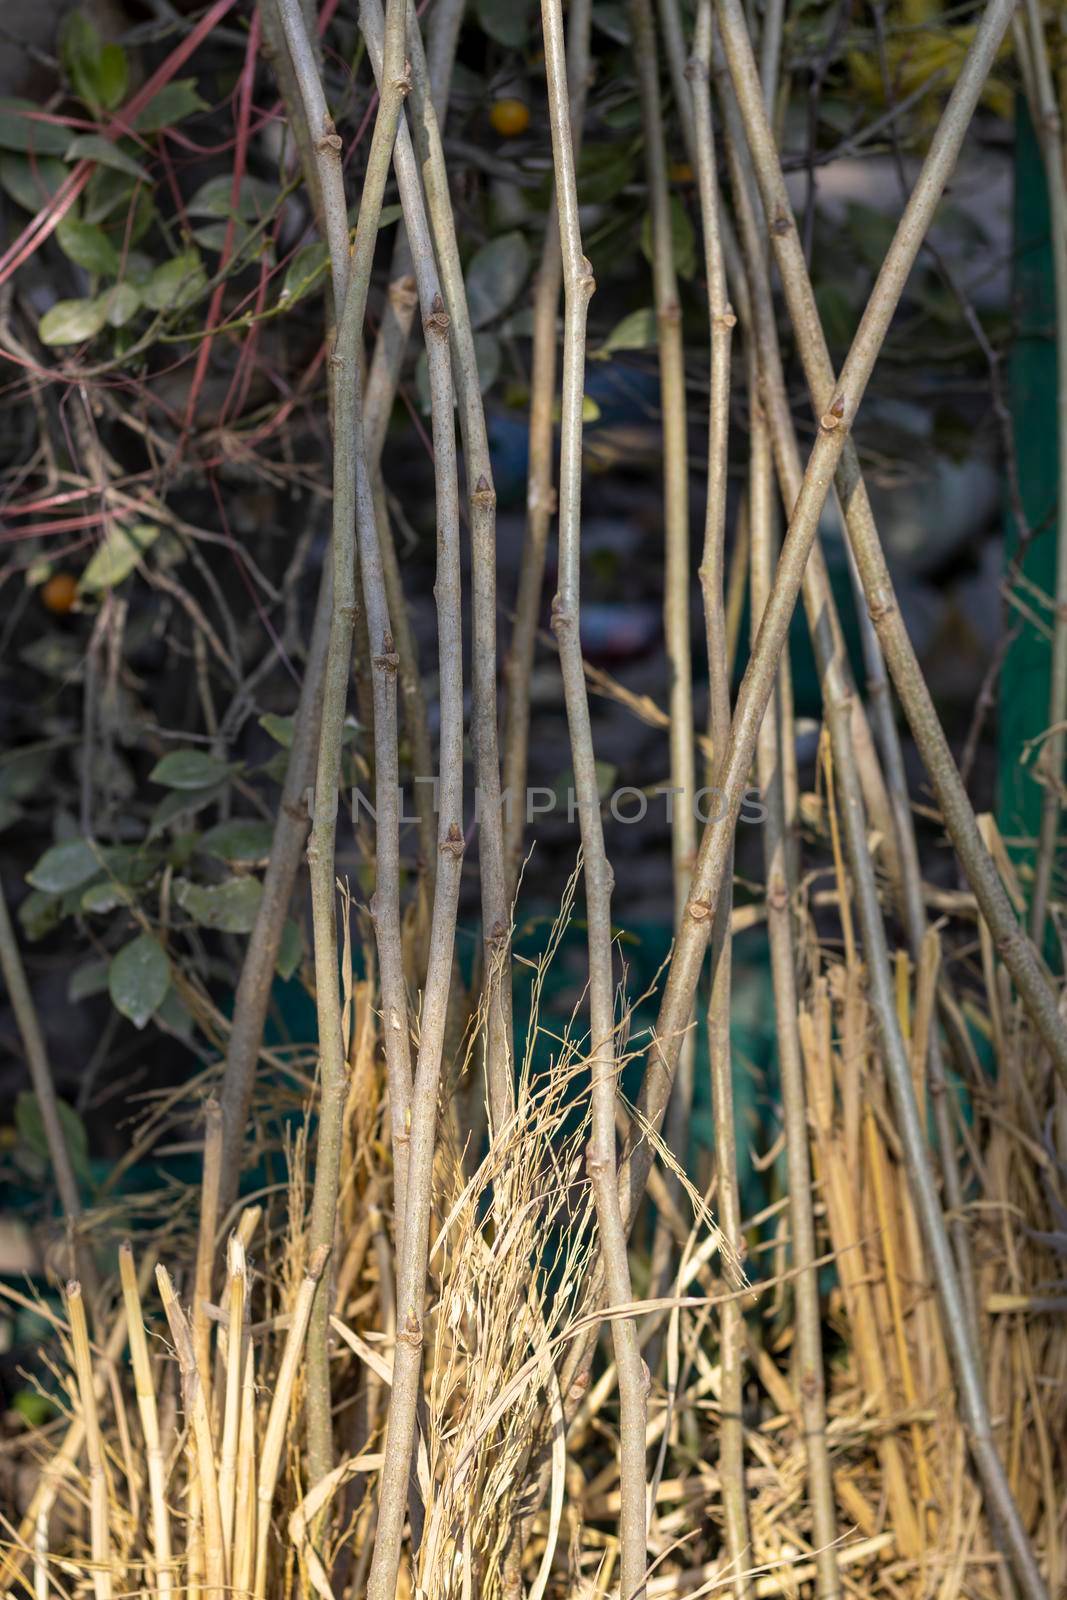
x,y
540,493
824,623
292,821
353,510
99,1532
414,1238
811,1399
578,288
146,1407
676,584
45,1092
379,394
712,582
481,496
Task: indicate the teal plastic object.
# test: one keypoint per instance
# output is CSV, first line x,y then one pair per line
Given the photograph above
x,y
1024,684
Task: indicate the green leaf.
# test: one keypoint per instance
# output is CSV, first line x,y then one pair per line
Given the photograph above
x,y
120,551
173,102
290,950
239,839
604,170
79,51
107,192
506,21
495,276
30,1125
229,907
138,978
213,235
87,246
10,812
22,127
65,866
39,913
636,332
31,184
279,728
22,772
177,283
107,896
98,72
683,239
112,76
189,769
173,1016
93,147
87,980
307,267
122,303
255,198
182,803
72,321
488,357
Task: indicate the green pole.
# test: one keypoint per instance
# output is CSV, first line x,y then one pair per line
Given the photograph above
x,y
1024,687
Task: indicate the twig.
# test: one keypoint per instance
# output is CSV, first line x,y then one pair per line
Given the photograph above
x,y
578,287
291,824
380,391
712,581
481,496
353,509
414,1233
677,578
540,494
45,1093
810,1380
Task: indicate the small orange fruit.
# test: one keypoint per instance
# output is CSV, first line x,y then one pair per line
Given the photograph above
x,y
60,593
509,117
